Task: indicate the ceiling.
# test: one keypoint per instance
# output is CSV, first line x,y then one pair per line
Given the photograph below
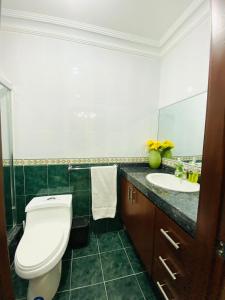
x,y
145,18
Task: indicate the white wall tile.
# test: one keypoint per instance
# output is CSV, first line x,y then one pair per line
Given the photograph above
x,y
184,69
74,100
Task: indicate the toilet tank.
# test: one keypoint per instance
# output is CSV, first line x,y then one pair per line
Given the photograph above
x,y
45,209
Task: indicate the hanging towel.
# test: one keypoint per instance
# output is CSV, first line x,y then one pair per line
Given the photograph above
x,y
104,191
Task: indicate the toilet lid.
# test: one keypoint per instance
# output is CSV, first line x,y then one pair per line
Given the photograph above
x,y
38,245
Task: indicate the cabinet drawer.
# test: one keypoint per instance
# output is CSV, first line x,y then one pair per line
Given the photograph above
x,y
171,288
175,242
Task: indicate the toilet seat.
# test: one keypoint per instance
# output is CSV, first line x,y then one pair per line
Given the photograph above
x,y
39,250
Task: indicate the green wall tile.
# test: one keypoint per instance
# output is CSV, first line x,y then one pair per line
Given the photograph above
x,y
80,180
19,180
58,176
20,208
7,196
81,203
35,179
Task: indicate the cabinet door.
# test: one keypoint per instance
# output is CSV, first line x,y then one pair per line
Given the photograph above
x,y
127,212
138,216
143,231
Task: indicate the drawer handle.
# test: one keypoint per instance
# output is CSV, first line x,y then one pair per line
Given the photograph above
x,y
165,233
129,193
162,260
160,286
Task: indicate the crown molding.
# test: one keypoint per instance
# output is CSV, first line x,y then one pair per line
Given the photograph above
x,y
196,13
29,23
23,15
68,30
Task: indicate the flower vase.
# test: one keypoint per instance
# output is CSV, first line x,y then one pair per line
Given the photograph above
x,y
167,153
154,159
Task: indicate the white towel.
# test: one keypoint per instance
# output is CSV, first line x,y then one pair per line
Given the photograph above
x,y
104,191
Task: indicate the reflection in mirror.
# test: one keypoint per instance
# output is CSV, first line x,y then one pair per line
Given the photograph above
x,y
183,122
7,156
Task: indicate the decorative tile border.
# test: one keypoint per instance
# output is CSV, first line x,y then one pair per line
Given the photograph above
x,y
188,166
74,161
6,162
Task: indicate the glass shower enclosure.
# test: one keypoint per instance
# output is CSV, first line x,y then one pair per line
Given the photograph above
x,y
7,156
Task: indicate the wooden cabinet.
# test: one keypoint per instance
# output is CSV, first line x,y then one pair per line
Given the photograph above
x,y
164,248
172,265
138,216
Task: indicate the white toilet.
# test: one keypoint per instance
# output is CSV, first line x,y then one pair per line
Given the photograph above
x,y
39,254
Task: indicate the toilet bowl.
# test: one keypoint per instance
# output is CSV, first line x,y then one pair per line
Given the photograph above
x,y
40,250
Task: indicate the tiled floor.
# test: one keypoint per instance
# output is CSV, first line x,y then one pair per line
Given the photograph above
x,y
107,269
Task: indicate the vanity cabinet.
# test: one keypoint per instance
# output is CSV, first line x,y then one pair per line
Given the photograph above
x,y
172,264
138,217
164,248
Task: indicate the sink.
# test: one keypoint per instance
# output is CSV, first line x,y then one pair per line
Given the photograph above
x,y
173,183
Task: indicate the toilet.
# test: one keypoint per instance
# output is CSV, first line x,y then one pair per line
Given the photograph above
x,y
38,256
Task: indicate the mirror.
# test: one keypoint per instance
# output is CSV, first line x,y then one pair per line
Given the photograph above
x,y
7,155
183,122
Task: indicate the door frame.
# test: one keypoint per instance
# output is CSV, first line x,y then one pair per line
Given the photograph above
x,y
213,164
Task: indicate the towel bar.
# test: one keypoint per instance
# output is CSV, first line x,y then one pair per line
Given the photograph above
x,y
71,168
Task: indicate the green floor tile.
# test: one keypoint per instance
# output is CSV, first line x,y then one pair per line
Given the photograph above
x,y
109,241
124,289
91,248
115,264
125,239
147,286
62,296
135,260
96,292
86,271
65,276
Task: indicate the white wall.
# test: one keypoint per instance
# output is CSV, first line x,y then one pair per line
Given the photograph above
x,y
73,100
184,69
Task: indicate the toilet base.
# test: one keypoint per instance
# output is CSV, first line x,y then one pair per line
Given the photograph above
x,y
45,286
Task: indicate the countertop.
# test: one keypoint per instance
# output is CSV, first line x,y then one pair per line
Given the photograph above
x,y
180,207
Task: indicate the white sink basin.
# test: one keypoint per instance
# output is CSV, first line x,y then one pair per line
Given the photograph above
x,y
171,182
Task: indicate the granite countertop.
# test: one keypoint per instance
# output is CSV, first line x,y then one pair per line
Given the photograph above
x,y
180,207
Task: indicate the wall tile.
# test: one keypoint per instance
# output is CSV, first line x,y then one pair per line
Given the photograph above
x,y
19,180
80,180
58,176
35,179
20,208
81,203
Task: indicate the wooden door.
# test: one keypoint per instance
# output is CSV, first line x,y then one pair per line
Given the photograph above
x,y
207,284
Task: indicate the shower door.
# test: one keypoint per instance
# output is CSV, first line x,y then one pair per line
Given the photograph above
x,y
7,156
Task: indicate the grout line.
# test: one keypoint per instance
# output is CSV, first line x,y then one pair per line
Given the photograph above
x,y
102,269
24,181
71,272
131,267
86,286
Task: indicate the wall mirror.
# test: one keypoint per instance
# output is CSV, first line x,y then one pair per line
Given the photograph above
x,y
183,122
